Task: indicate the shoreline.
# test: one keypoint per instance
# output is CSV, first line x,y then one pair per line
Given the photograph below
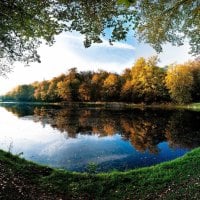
x,y
115,105
176,179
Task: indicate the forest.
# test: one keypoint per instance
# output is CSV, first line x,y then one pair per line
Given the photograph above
x,y
145,82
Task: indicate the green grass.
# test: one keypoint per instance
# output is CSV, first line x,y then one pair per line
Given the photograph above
x,y
194,106
177,179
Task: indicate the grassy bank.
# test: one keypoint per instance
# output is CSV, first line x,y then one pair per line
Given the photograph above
x,y
178,179
193,106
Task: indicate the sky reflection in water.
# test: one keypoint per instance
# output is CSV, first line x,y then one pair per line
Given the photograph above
x,y
113,139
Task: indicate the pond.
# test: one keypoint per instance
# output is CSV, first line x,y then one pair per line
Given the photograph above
x,y
114,139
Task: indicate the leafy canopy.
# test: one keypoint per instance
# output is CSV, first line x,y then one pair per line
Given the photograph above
x,y
25,24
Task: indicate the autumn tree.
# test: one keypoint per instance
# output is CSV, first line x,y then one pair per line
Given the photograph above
x,y
68,88
195,70
85,88
111,87
127,92
148,81
126,88
97,85
41,92
52,91
144,82
25,93
179,81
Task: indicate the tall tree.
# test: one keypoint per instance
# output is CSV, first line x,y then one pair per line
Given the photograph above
x,y
148,81
41,91
64,90
179,81
53,88
68,88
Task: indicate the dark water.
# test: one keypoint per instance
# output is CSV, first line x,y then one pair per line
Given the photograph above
x,y
72,138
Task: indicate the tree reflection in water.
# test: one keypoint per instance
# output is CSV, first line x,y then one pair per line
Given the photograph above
x,y
145,129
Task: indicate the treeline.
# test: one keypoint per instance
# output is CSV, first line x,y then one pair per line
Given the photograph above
x,y
145,82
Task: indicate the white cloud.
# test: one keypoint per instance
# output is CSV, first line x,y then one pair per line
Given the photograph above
x,y
117,45
170,54
69,51
105,43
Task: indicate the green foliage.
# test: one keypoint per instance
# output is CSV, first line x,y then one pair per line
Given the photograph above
x,y
25,24
21,93
92,168
161,21
176,179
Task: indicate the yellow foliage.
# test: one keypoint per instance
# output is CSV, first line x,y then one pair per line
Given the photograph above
x,y
179,81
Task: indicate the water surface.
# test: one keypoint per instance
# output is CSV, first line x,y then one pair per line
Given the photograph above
x,y
72,138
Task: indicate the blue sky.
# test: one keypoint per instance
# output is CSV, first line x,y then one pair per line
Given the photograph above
x,y
69,51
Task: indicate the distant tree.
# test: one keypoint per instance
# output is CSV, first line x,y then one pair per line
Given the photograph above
x,y
21,93
179,81
85,88
41,92
25,93
68,88
127,92
126,88
64,90
148,81
144,82
112,87
195,70
52,92
97,85
84,92
126,75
